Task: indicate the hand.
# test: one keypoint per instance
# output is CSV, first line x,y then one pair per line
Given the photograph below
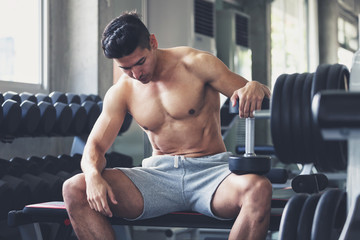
x,y
250,98
98,192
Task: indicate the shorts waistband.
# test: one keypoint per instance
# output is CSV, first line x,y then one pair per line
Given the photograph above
x,y
157,160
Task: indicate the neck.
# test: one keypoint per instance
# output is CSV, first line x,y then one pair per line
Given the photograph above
x,y
164,64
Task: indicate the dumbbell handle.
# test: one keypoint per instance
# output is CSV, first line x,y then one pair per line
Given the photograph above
x,y
249,137
250,126
262,114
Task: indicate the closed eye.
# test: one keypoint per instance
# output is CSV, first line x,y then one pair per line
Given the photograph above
x,y
138,63
125,68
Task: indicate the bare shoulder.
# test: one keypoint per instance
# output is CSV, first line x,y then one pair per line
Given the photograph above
x,y
201,63
117,95
191,55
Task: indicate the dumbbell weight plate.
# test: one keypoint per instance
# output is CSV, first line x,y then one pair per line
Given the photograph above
x,y
73,98
320,79
40,190
2,99
71,164
43,97
6,199
93,112
28,96
287,129
30,117
296,113
21,191
47,118
57,96
306,120
12,117
95,98
13,96
1,114
319,83
115,159
290,217
249,164
332,154
330,206
55,183
275,121
338,78
78,121
126,124
63,118
21,166
306,217
38,179
85,97
43,166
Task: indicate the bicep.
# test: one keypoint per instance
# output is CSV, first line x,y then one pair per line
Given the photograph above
x,y
227,82
108,124
218,75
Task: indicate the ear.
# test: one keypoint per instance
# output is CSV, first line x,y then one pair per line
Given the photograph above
x,y
153,42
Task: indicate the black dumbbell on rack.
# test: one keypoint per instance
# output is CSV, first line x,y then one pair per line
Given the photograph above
x,y
30,112
20,188
6,199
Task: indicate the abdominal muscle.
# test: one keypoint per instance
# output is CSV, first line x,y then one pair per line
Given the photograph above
x,y
189,137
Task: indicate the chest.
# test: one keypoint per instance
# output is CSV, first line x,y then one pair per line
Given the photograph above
x,y
178,99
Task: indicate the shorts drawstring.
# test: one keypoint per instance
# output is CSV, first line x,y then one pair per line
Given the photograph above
x,y
176,160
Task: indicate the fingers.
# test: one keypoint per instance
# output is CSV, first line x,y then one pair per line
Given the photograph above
x,y
244,107
101,206
248,105
250,98
234,98
258,105
112,196
268,93
106,209
100,203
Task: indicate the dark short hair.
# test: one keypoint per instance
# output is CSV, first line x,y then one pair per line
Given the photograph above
x,y
123,35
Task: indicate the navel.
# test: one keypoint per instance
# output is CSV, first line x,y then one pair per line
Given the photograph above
x,y
191,111
146,128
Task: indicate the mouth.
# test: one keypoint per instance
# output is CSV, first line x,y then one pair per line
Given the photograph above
x,y
144,79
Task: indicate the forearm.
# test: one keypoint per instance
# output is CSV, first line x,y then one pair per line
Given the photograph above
x,y
93,161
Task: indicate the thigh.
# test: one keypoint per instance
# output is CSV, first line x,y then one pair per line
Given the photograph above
x,y
161,190
130,200
235,190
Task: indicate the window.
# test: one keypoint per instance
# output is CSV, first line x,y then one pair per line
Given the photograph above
x,y
21,44
289,44
347,39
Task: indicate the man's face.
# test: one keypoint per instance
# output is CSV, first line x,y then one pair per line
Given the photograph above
x,y
138,65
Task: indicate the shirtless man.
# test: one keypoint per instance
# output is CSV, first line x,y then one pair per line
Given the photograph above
x,y
173,94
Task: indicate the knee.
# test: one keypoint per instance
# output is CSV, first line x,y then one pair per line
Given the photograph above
x,y
258,189
263,185
74,190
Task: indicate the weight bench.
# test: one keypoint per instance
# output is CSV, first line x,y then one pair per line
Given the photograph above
x,y
28,220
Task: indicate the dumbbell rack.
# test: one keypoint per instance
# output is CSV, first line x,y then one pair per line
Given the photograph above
x,y
342,121
58,114
338,115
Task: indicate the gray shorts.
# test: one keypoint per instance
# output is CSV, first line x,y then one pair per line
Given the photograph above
x,y
178,183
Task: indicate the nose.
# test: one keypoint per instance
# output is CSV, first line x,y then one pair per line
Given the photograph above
x,y
136,73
